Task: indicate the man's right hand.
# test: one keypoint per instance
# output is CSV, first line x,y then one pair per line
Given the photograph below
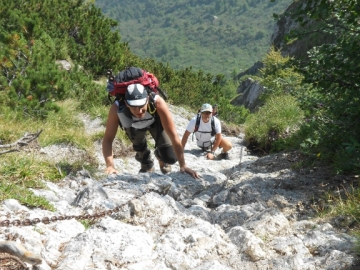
x,y
210,156
111,170
189,171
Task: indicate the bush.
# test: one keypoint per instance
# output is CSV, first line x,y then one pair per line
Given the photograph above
x,y
347,158
279,117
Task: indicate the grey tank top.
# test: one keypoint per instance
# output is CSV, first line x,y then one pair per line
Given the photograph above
x,y
128,120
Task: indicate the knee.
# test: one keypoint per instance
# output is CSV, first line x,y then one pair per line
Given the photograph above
x,y
226,144
229,145
140,147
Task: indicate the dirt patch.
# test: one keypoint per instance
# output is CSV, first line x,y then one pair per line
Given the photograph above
x,y
230,130
122,150
318,181
33,147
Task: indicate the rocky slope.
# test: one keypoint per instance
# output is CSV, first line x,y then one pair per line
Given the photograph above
x,y
244,213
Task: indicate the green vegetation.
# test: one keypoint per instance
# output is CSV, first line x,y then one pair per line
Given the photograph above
x,y
215,36
19,172
333,73
87,223
333,69
326,89
280,114
33,38
275,126
343,206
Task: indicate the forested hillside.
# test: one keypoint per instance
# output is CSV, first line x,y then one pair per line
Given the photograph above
x,y
35,36
218,36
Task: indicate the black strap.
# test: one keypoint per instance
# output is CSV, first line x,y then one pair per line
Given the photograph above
x,y
156,116
213,132
197,124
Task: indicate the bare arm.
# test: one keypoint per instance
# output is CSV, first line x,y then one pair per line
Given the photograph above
x,y
185,138
170,129
110,133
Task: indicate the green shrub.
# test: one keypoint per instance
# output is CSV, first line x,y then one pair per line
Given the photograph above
x,y
279,76
347,158
231,113
279,117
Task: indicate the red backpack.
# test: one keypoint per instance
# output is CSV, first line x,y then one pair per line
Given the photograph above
x,y
118,84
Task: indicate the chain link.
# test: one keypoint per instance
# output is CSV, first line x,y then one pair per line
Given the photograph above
x,y
47,220
8,261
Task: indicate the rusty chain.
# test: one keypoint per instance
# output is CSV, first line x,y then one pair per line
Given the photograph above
x,y
8,261
47,220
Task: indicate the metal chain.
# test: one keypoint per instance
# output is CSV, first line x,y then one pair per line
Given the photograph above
x,y
47,220
8,261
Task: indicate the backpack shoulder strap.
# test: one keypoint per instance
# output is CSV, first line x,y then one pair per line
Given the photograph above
x,y
152,106
197,123
213,132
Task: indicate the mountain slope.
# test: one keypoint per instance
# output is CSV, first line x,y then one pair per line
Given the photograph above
x,y
215,36
244,213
